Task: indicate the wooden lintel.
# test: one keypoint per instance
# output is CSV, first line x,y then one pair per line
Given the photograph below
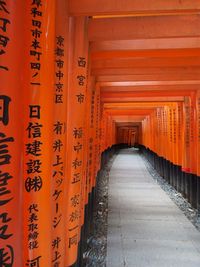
x,y
134,28
149,94
149,83
150,77
140,88
134,7
129,111
128,118
144,62
146,71
155,53
135,105
142,44
143,99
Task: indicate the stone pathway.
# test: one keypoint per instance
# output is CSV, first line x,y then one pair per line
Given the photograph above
x,y
145,228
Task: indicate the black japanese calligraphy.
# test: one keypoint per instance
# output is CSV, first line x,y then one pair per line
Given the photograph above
x,y
34,263
73,240
82,62
34,111
78,132
5,157
4,109
7,256
33,184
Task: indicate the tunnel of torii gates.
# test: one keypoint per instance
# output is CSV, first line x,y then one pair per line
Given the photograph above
x,y
77,80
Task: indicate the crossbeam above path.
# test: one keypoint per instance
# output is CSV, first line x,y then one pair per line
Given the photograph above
x,y
143,28
145,87
141,44
134,7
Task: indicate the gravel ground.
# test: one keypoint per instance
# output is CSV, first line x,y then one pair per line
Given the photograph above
x,y
95,255
175,196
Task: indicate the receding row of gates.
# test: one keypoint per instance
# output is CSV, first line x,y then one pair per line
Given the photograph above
x,y
69,92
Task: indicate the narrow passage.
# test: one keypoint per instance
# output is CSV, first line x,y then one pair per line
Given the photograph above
x,y
145,227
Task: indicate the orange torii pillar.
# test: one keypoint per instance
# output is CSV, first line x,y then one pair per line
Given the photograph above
x,y
106,131
102,134
97,133
187,147
192,196
94,111
176,141
11,132
162,143
38,92
88,158
96,151
168,138
174,145
180,144
58,175
198,149
76,132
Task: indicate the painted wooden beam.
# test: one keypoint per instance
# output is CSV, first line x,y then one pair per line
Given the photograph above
x,y
150,83
130,111
143,99
134,105
144,62
165,53
150,77
132,28
128,118
149,94
146,71
141,44
134,7
163,87
124,124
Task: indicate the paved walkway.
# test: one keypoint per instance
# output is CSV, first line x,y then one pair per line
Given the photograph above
x,y
145,228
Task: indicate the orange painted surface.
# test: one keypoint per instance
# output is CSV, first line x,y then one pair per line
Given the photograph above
x,y
76,132
71,87
38,94
11,133
198,131
130,7
59,156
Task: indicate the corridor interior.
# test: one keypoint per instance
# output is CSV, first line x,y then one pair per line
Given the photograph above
x,y
80,79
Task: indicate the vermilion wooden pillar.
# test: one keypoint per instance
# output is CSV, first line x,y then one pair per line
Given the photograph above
x,y
198,148
96,134
98,116
11,135
193,139
103,131
76,130
180,134
89,137
180,144
174,145
187,143
38,91
93,133
193,152
165,132
59,128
